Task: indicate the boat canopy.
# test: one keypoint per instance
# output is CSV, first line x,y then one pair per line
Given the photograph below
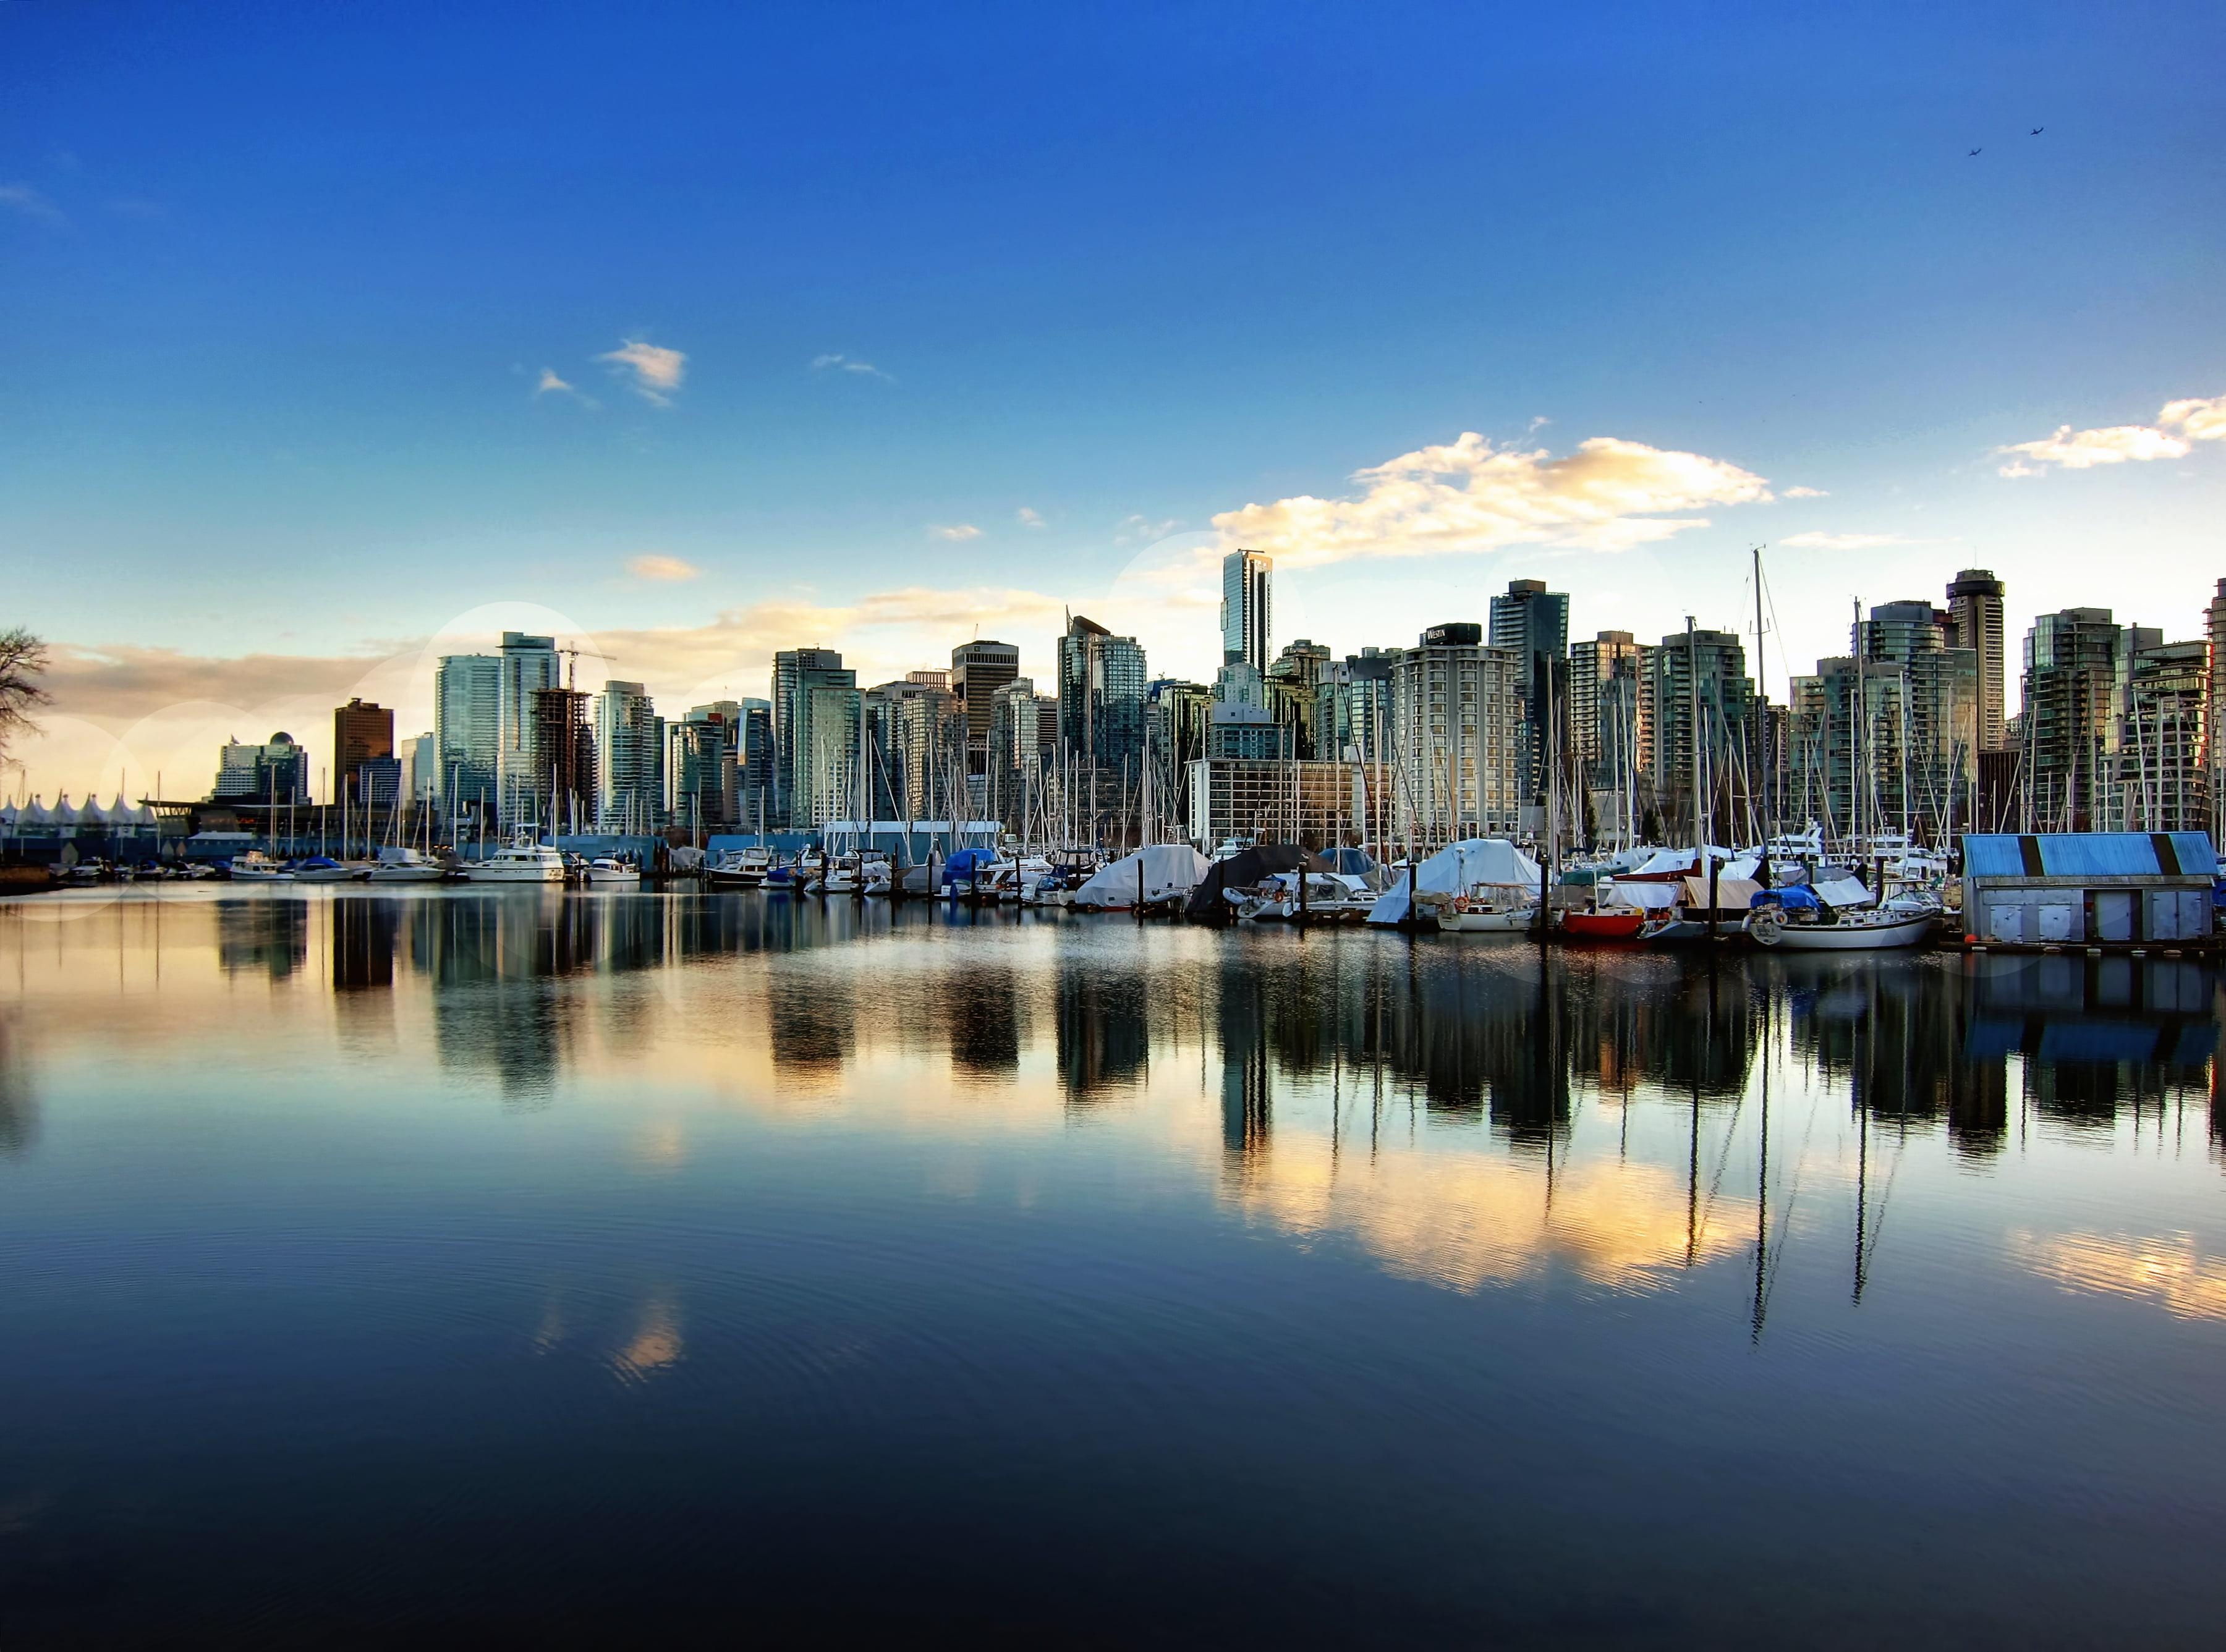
x,y
1664,861
1244,870
959,868
1843,891
1731,892
1167,869
1456,869
1795,898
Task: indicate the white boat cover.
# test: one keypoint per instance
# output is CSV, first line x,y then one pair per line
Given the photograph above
x,y
1679,859
1844,892
1169,869
1456,868
1647,897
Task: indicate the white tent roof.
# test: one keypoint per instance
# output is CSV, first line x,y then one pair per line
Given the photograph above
x,y
1455,869
37,814
1168,869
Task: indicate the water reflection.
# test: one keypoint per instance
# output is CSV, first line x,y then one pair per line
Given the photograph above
x,y
1592,1111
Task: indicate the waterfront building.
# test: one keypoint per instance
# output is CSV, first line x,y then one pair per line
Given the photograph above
x,y
275,771
1975,621
1352,707
1246,577
362,730
978,670
528,666
2161,785
2092,887
702,770
1177,718
1239,720
2214,725
755,758
1293,683
424,752
560,791
1020,767
1715,663
1608,729
1454,712
1532,623
1274,801
807,682
918,736
375,783
1101,718
2078,662
1886,738
466,727
630,743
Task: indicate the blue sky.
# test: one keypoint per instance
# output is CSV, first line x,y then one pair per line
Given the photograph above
x,y
278,286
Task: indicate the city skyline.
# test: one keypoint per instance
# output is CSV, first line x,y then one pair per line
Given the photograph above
x,y
665,401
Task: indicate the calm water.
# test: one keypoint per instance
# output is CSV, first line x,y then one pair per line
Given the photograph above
x,y
557,1268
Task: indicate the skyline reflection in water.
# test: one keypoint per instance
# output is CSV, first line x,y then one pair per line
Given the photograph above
x,y
1044,1219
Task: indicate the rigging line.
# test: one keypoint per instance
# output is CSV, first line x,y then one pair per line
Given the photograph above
x,y
1878,1227
1785,1212
1722,1159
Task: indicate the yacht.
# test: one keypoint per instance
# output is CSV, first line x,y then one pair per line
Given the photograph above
x,y
256,867
524,859
738,870
407,866
611,870
320,868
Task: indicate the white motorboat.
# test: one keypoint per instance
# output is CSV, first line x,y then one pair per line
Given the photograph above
x,y
738,870
318,868
407,866
524,859
608,870
256,867
1330,897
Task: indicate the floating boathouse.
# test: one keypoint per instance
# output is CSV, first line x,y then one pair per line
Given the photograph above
x,y
2089,889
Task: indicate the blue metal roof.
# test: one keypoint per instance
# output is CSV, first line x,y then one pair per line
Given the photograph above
x,y
2089,855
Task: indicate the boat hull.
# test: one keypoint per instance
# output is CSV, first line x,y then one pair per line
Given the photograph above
x,y
1851,937
408,874
1499,923
514,874
1602,926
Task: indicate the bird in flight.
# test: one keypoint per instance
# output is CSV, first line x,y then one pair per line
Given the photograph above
x,y
1974,152
2035,132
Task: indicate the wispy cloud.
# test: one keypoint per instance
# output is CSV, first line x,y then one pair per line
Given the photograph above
x,y
653,371
1466,495
2178,426
1135,530
30,202
1028,518
1843,540
1802,493
666,569
955,530
848,364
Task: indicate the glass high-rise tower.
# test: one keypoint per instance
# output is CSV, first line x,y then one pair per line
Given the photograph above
x,y
1245,609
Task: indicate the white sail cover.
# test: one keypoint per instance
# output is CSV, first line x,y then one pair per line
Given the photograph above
x,y
1169,869
1455,869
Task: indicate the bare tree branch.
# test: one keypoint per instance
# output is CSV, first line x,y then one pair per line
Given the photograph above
x,y
23,662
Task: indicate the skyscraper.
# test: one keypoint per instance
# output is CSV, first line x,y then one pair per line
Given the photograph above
x,y
1454,715
1245,576
362,730
2077,665
630,759
797,673
1975,621
528,665
563,768
1702,671
2214,722
1101,713
978,670
1532,623
701,769
424,777
468,729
